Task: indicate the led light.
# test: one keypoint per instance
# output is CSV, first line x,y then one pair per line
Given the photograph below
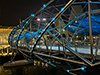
x,y
32,15
67,50
26,21
53,19
17,25
23,27
48,24
23,21
75,21
43,29
16,42
42,8
13,32
17,36
44,5
67,70
82,68
34,42
20,31
63,29
62,9
30,53
39,35
44,19
69,26
38,19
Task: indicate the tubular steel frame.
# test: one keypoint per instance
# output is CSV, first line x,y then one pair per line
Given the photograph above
x,y
56,12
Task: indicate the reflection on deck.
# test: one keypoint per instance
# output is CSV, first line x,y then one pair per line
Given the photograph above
x,y
83,50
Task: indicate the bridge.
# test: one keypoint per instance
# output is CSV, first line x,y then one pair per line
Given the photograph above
x,y
70,32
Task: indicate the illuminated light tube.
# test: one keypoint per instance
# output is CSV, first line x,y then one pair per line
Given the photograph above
x,y
17,25
44,5
34,42
48,24
23,27
39,35
23,21
62,9
82,68
67,70
53,19
32,15
43,29
20,31
26,21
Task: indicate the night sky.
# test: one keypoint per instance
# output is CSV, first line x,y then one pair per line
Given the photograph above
x,y
12,10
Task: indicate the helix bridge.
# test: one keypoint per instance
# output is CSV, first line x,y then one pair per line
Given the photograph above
x,y
66,30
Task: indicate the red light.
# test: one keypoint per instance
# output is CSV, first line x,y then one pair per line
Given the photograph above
x,y
44,19
38,19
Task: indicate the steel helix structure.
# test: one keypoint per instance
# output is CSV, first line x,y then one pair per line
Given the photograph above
x,y
67,30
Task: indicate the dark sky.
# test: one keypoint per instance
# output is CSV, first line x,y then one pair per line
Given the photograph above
x,y
12,10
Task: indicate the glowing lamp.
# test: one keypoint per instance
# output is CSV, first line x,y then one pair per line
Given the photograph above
x,y
53,19
43,29
32,15
82,68
23,21
44,19
38,19
48,24
62,9
67,70
26,21
44,5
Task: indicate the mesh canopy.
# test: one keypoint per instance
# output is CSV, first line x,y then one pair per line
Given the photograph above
x,y
84,26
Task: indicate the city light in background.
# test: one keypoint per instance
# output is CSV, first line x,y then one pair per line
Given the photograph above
x,y
41,19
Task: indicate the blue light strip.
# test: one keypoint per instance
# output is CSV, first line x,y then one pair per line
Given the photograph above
x,y
53,19
23,27
32,15
34,42
26,21
62,9
82,68
67,70
48,24
43,29
39,35
23,21
20,31
44,5
17,25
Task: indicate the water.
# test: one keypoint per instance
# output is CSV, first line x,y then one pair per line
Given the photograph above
x,y
41,68
38,68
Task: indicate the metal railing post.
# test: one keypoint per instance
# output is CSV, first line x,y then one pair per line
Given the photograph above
x,y
90,29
